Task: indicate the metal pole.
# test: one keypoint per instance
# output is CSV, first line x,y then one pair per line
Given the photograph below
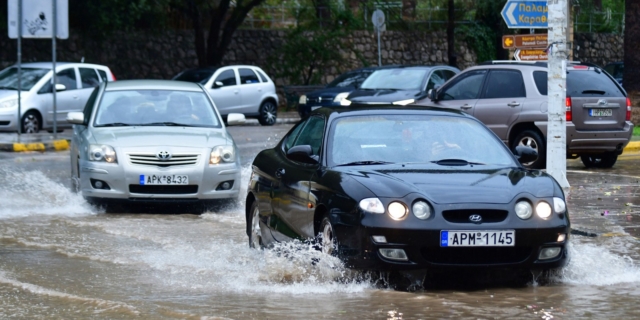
x,y
379,54
19,67
53,56
556,87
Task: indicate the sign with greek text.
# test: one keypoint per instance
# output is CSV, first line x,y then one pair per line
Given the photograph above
x,y
525,41
530,55
525,14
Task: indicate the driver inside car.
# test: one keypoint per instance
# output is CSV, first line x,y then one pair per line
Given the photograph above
x,y
179,107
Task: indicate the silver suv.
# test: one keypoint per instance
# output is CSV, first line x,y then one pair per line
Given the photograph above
x,y
511,99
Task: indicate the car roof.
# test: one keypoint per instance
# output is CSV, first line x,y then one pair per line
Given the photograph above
x,y
368,109
146,84
49,65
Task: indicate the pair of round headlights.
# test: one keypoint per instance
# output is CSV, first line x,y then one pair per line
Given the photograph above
x,y
397,210
524,209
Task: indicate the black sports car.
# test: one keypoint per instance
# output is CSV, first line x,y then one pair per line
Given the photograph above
x,y
407,188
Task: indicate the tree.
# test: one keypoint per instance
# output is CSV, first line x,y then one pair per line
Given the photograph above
x,y
630,79
451,17
223,18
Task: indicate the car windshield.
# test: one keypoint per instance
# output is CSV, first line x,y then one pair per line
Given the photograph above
x,y
350,79
29,78
374,139
197,76
397,79
156,108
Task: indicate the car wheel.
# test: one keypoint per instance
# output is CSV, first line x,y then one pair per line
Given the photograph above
x,y
268,113
531,139
604,161
31,122
255,233
327,238
75,179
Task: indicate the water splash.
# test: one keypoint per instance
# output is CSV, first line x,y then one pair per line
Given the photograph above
x,y
594,264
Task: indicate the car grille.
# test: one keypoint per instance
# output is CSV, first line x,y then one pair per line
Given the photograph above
x,y
163,189
462,216
4,123
149,159
476,255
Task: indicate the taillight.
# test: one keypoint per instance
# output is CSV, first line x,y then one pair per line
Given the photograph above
x,y
628,117
112,76
568,109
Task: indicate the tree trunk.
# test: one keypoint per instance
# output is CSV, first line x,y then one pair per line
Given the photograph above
x,y
323,11
630,79
450,35
409,9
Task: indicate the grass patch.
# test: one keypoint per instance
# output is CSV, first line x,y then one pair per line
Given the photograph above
x,y
636,131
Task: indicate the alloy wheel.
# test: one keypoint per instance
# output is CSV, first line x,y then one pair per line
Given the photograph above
x,y
30,123
328,243
530,142
268,114
256,234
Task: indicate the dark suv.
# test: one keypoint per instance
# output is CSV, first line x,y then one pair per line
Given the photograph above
x,y
511,99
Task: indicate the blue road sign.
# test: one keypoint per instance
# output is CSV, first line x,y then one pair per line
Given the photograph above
x,y
525,14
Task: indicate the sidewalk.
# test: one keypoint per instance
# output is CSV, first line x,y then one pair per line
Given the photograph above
x,y
45,141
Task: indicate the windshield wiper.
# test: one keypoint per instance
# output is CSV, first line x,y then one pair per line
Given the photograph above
x,y
455,162
166,123
9,88
368,162
600,92
116,124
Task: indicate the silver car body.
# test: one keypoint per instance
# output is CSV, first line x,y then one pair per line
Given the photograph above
x,y
144,151
79,80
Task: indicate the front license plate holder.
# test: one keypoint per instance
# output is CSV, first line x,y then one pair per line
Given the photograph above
x,y
477,238
600,112
163,179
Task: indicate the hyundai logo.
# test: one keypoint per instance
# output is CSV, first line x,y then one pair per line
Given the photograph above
x,y
475,218
163,155
603,102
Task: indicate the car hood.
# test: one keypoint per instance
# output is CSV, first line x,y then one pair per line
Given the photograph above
x,y
329,91
444,186
383,95
9,94
161,136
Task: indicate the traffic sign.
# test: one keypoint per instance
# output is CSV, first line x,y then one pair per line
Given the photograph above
x,y
530,55
525,41
525,14
37,19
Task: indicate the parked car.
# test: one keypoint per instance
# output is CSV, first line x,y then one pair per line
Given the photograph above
x,y
511,99
336,91
406,188
616,70
74,84
400,84
238,89
153,141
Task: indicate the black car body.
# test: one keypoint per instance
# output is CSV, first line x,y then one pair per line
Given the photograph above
x,y
340,175
401,85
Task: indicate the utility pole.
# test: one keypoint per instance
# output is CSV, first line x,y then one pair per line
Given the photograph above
x,y
557,92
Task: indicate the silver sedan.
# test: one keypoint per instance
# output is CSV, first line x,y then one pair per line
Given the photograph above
x,y
154,141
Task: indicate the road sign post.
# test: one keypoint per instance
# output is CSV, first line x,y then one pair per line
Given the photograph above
x,y
378,22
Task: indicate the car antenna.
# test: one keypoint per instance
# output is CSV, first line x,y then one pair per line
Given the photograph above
x,y
82,60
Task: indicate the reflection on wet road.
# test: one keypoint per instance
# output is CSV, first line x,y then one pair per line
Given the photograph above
x,y
63,259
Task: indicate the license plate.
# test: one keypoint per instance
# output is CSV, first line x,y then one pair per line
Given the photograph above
x,y
163,179
601,112
476,238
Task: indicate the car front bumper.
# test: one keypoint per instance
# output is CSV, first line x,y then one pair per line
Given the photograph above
x,y
8,121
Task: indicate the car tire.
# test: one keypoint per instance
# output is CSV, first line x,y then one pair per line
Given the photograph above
x,y
327,242
268,113
31,122
532,139
603,161
255,232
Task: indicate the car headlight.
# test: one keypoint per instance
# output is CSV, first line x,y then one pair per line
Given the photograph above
x,y
373,205
559,205
345,102
404,102
9,104
543,210
397,210
102,152
341,96
222,154
303,99
523,210
421,210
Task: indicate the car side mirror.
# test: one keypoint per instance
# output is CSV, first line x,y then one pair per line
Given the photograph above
x,y
302,153
75,117
433,94
218,84
60,87
234,119
525,154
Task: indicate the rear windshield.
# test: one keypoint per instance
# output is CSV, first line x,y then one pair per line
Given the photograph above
x,y
582,83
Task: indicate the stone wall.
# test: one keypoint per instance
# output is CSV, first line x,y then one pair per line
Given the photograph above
x,y
598,48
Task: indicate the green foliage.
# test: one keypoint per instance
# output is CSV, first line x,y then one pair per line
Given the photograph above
x,y
106,16
481,39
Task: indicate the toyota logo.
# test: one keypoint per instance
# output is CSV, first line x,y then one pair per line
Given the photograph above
x,y
163,155
476,218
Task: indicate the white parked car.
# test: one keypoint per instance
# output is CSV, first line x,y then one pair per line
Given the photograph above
x,y
153,141
75,81
238,89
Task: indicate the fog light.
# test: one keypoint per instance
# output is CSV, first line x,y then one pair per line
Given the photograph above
x,y
394,254
99,184
226,185
379,239
549,253
562,237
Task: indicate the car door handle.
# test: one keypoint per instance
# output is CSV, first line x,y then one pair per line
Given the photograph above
x,y
75,97
279,173
235,91
466,107
513,104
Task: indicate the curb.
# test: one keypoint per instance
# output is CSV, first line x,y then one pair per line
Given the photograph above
x,y
56,145
633,146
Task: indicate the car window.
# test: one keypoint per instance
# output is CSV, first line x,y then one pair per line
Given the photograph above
x,y
582,83
293,135
263,77
29,77
540,78
610,69
466,86
349,79
619,71
396,79
89,77
88,107
247,76
103,75
227,77
311,134
66,77
446,74
504,84
436,79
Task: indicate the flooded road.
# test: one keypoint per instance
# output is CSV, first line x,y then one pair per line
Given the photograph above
x,y
63,259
